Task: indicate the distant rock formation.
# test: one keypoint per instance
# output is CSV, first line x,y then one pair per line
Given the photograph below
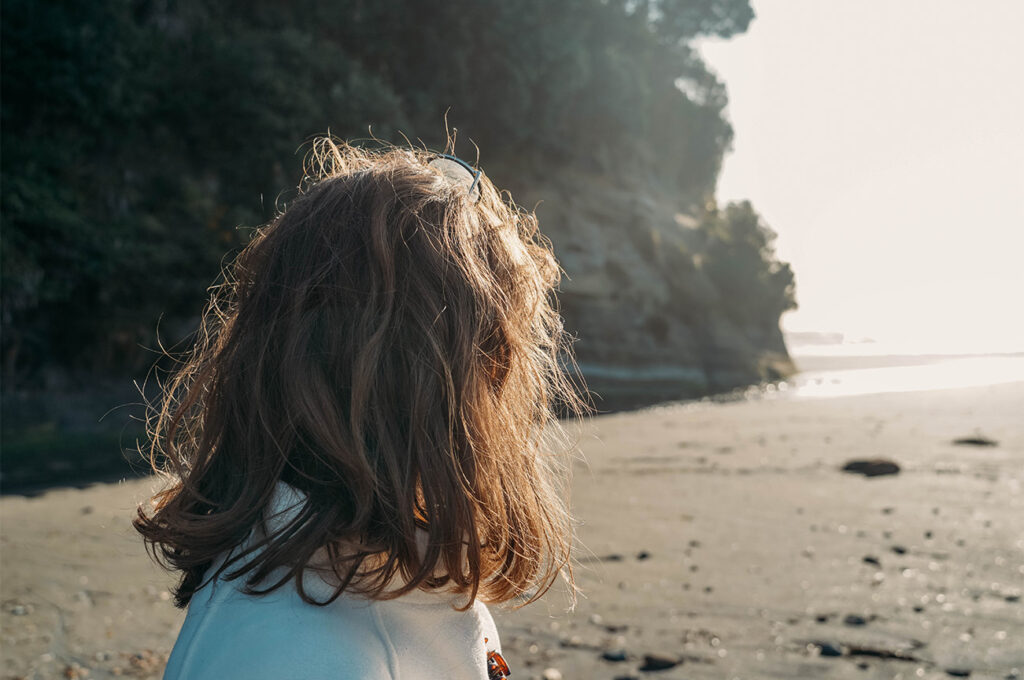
x,y
651,324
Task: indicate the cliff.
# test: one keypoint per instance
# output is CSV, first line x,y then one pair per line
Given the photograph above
x,y
652,320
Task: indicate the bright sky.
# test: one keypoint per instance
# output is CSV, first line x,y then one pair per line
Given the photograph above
x,y
884,142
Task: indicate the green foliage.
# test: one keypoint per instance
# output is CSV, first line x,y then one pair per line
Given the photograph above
x,y
755,287
138,135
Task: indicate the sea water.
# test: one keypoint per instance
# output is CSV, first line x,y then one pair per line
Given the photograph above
x,y
902,374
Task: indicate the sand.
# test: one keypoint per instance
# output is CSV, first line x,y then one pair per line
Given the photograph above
x,y
722,540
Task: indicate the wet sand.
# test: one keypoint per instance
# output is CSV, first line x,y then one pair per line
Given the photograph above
x,y
722,540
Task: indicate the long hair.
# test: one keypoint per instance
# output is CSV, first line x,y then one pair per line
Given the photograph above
x,y
391,347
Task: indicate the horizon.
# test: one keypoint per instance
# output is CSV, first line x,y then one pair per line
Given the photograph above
x,y
893,175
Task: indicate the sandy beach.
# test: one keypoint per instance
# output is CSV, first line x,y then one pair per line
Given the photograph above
x,y
715,541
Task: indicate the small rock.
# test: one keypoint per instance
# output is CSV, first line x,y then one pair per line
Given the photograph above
x,y
822,618
551,674
872,467
855,620
871,559
643,555
614,557
899,550
1012,598
75,672
658,662
959,672
18,610
976,440
87,510
863,665
827,649
615,655
572,642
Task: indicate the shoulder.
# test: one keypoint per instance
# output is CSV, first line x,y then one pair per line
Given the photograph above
x,y
228,634
431,639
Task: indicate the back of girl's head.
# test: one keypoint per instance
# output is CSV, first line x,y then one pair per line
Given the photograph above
x,y
389,345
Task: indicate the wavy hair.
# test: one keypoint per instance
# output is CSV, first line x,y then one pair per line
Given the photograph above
x,y
391,348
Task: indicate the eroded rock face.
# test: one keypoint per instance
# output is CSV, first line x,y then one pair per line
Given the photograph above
x,y
650,324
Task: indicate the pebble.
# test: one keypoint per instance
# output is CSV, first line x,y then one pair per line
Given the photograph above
x,y
74,672
976,440
827,649
871,467
615,655
871,559
658,662
958,672
551,674
855,620
899,550
643,555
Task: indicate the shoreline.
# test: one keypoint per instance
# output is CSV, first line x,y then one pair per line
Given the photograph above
x,y
720,537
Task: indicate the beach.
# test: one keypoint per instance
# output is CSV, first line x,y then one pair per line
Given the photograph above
x,y
715,540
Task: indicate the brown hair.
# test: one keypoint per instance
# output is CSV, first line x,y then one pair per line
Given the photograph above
x,y
392,348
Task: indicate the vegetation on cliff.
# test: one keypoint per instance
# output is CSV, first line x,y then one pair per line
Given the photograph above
x,y
141,137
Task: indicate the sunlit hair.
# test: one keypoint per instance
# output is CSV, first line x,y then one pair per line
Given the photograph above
x,y
391,348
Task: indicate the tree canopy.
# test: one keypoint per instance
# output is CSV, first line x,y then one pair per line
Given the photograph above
x,y
139,135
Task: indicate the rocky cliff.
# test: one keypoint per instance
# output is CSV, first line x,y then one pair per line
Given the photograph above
x,y
651,323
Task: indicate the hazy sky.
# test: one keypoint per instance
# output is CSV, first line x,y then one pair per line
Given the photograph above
x,y
884,141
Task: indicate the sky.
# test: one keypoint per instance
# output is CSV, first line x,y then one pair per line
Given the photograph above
x,y
884,142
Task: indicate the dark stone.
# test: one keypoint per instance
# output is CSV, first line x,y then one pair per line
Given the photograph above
x,y
658,662
880,653
828,649
959,672
855,620
871,559
872,467
899,550
977,440
822,618
643,555
615,655
1012,598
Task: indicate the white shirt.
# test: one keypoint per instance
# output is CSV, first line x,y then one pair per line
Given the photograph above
x,y
419,636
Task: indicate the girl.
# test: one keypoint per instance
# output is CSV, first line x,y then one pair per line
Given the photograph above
x,y
354,446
